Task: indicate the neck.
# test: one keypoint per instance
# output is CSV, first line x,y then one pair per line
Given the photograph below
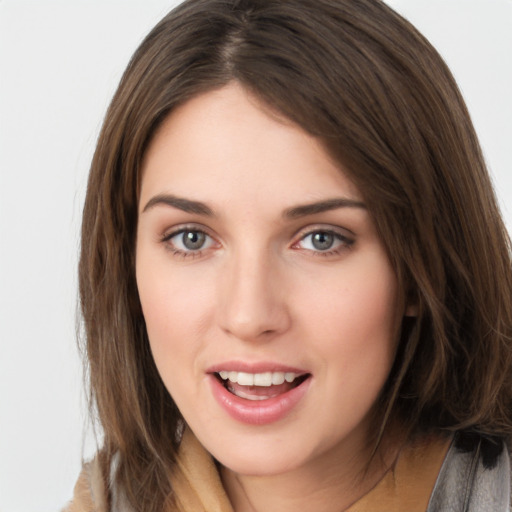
x,y
329,483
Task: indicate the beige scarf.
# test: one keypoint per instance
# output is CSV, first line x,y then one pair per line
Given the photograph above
x,y
198,488
195,480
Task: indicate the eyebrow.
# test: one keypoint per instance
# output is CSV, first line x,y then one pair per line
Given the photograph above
x,y
199,208
322,206
186,205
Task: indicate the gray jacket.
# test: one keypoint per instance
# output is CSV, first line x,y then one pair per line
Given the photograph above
x,y
474,477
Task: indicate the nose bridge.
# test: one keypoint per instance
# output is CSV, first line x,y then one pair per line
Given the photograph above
x,y
252,304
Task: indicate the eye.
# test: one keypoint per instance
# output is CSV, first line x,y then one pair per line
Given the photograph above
x,y
188,241
324,241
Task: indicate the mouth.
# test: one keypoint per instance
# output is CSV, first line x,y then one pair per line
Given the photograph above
x,y
258,393
259,386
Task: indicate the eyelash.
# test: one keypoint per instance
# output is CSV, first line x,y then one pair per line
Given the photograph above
x,y
344,242
180,253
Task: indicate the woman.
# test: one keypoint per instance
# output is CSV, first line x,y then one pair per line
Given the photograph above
x,y
294,277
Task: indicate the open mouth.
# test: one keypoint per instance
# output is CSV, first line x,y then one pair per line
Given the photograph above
x,y
259,386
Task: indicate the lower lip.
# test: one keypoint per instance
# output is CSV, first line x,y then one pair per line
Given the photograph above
x,y
258,412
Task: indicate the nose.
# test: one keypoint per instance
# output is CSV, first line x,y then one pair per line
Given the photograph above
x,y
252,302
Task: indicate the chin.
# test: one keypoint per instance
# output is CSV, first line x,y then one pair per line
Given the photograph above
x,y
256,465
255,455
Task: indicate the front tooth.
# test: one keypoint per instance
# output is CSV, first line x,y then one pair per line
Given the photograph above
x,y
277,378
263,379
245,379
258,379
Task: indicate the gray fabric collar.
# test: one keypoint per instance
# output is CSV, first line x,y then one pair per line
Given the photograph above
x,y
474,477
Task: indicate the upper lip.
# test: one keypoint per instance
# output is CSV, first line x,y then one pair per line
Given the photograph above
x,y
254,367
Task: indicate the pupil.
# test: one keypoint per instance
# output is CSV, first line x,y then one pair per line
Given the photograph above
x,y
193,239
322,241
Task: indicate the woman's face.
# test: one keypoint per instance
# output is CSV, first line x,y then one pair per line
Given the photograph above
x,y
270,303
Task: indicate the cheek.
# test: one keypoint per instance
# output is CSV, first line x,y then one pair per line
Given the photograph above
x,y
356,340
178,309
353,320
168,308
359,303
176,312
169,298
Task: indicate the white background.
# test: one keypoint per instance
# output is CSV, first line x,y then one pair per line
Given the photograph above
x,y
59,65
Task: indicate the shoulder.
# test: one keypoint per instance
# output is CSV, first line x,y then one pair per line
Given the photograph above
x,y
95,490
475,476
90,493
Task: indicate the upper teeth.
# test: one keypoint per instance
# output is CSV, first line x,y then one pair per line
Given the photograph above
x,y
258,379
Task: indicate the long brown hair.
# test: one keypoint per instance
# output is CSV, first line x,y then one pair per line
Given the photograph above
x,y
362,79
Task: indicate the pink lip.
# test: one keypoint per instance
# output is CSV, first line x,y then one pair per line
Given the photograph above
x,y
257,412
259,367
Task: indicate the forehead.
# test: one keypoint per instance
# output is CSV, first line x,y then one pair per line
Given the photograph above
x,y
225,145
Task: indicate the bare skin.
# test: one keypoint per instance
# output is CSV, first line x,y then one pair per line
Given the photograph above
x,y
326,488
255,252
